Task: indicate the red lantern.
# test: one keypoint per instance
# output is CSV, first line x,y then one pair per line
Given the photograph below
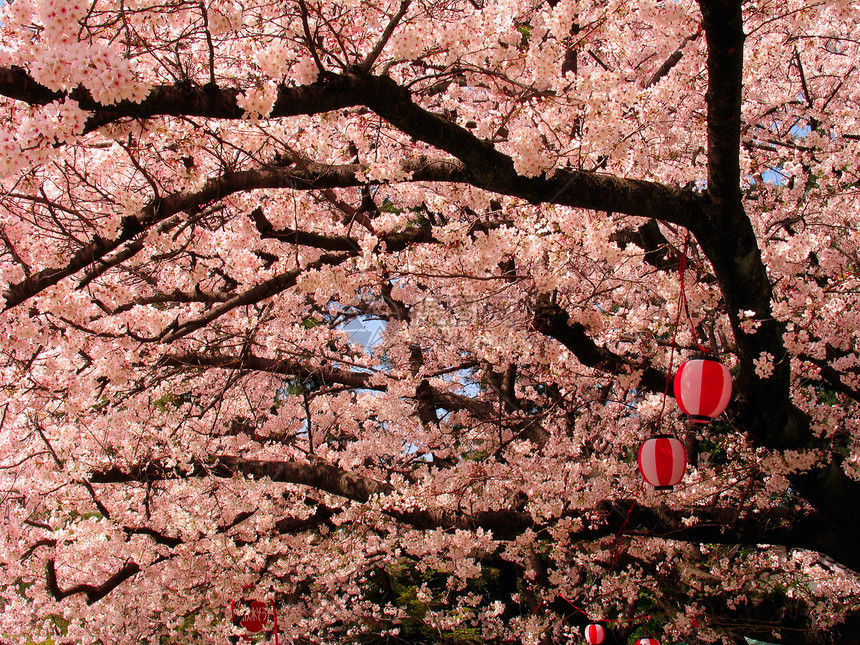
x,y
256,617
703,388
662,461
647,641
594,634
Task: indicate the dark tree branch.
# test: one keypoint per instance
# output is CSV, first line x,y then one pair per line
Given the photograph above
x,y
309,38
256,294
650,239
317,176
326,375
332,93
786,527
318,474
550,319
831,376
292,525
491,170
323,374
395,241
93,593
302,238
175,296
670,62
723,24
368,62
485,167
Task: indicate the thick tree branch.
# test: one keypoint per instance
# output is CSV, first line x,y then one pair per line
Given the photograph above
x,y
318,474
491,170
316,176
260,292
670,62
395,241
326,375
786,527
724,33
485,166
334,92
92,592
175,296
550,319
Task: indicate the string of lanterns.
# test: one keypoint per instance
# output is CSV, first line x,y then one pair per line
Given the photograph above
x,y
702,388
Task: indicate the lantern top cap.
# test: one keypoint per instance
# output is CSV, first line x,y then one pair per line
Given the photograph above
x,y
702,356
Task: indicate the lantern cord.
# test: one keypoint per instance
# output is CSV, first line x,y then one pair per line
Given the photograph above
x,y
579,609
672,346
682,267
617,554
633,619
275,621
682,303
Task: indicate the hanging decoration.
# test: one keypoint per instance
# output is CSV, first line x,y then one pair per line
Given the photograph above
x,y
703,388
662,461
258,619
647,641
700,389
594,634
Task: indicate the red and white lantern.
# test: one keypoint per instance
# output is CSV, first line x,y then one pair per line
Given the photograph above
x,y
703,388
662,461
647,641
594,634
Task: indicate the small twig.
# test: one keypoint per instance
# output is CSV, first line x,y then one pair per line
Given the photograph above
x,y
386,35
209,44
23,459
600,62
803,78
307,29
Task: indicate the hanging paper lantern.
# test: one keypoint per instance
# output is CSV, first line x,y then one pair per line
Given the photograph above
x,y
703,388
647,641
255,617
594,634
662,461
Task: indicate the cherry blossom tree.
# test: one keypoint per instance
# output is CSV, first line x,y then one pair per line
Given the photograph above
x,y
537,209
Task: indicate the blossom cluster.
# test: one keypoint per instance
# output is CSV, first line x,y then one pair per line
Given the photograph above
x,y
258,101
108,76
